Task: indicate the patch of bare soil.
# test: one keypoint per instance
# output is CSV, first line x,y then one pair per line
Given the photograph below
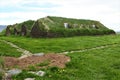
x,y
58,60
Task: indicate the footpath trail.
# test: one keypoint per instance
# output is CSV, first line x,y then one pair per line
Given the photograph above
x,y
28,53
25,53
94,48
55,59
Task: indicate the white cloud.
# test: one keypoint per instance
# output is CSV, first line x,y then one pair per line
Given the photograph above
x,y
15,17
105,11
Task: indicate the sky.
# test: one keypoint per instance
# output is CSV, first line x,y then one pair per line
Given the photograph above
x,y
105,11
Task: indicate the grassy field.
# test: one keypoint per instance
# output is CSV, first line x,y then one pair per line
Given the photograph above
x,y
62,44
102,64
7,50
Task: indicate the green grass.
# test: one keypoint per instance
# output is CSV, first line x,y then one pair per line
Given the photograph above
x,y
59,22
52,26
44,63
7,50
101,64
62,44
2,67
96,65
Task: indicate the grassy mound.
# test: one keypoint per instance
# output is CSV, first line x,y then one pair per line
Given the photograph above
x,y
51,26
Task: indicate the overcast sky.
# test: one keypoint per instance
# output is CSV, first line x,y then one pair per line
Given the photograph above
x,y
105,11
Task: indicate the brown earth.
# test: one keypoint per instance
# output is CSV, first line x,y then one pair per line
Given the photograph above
x,y
58,60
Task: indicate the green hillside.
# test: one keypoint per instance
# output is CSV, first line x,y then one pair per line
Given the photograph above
x,y
58,27
78,23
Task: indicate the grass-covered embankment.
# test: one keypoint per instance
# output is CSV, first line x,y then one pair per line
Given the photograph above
x,y
62,44
101,64
7,50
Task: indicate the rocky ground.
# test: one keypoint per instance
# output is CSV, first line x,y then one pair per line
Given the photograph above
x,y
58,60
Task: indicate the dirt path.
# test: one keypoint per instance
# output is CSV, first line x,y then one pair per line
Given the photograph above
x,y
25,53
94,48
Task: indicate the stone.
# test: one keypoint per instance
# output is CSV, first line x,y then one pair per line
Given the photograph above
x,y
10,73
16,32
14,72
38,30
23,30
25,54
81,26
39,73
65,52
8,31
93,26
1,70
75,25
38,54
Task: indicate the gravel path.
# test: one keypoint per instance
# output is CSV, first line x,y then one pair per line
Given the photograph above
x,y
25,53
94,48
